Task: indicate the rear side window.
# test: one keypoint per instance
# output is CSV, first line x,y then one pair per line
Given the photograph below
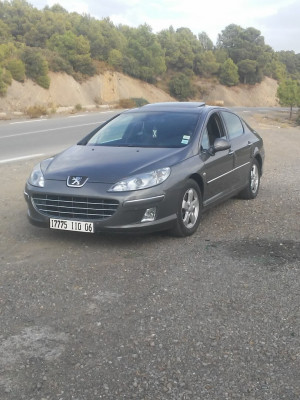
x,y
234,125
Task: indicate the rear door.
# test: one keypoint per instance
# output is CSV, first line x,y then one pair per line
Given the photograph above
x,y
241,147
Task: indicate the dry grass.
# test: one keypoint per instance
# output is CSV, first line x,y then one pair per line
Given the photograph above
x,y
36,111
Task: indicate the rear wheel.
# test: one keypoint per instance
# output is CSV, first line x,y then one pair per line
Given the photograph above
x,y
251,190
189,210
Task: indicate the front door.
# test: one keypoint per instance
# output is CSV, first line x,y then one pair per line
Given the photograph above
x,y
218,169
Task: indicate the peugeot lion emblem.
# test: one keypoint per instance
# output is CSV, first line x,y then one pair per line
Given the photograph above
x,y
76,181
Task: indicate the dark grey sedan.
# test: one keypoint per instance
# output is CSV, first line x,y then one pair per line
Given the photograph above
x,y
157,167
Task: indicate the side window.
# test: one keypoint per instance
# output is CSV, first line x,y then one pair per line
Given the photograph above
x,y
234,125
205,140
214,128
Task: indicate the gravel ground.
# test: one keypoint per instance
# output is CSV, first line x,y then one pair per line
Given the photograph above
x,y
214,316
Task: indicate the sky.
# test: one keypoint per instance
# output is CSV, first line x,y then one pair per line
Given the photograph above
x,y
278,20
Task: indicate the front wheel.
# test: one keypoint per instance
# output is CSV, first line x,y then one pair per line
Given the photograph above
x,y
189,210
251,190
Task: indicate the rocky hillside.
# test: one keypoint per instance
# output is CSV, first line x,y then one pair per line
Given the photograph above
x,y
107,89
259,95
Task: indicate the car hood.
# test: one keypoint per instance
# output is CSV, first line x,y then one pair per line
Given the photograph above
x,y
110,164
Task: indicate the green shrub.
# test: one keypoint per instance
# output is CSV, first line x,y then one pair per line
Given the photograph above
x,y
43,81
35,63
229,73
84,64
7,77
36,111
3,88
115,58
133,102
78,107
58,64
17,69
180,87
127,103
139,101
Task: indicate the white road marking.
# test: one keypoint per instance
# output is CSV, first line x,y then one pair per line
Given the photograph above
x,y
76,116
28,121
21,158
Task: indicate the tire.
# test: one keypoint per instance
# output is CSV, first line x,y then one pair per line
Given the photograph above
x,y
189,210
252,188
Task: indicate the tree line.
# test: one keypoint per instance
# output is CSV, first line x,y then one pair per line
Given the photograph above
x,y
33,41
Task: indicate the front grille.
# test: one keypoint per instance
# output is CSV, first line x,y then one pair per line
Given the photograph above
x,y
86,208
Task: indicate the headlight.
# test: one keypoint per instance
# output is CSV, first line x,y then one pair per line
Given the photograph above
x,y
141,181
37,178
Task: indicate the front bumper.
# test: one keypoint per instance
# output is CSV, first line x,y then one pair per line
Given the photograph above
x,y
128,217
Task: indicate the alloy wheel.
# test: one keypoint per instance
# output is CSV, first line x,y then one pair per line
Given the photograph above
x,y
190,208
254,178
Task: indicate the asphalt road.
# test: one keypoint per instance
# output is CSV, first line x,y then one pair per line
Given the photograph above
x,y
46,136
211,317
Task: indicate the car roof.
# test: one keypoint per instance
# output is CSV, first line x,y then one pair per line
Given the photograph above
x,y
196,107
176,104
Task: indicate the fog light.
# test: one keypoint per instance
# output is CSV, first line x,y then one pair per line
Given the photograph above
x,y
150,215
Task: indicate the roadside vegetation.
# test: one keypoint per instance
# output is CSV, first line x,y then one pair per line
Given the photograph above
x,y
34,42
36,111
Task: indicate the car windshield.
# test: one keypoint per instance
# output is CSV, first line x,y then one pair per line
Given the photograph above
x,y
155,129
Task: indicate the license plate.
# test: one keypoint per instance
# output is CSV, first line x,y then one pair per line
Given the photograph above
x,y
66,225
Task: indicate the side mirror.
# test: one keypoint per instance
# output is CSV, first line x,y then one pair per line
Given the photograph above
x,y
221,144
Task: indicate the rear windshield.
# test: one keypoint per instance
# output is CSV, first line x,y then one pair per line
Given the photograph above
x,y
155,129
